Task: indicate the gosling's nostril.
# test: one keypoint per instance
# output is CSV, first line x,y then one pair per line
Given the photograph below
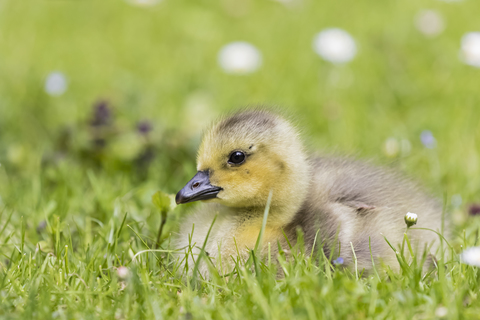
x,y
196,184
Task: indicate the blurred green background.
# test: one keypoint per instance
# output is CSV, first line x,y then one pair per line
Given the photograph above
x,y
155,66
102,103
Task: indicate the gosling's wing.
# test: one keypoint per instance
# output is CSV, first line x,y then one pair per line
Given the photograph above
x,y
365,187
360,204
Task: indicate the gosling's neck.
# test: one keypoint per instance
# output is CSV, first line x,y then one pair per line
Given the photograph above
x,y
282,210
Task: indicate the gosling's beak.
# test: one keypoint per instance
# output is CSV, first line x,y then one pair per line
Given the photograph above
x,y
199,188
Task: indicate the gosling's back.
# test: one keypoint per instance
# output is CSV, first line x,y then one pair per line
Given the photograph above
x,y
356,204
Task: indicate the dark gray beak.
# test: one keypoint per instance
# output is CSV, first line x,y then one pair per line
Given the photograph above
x,y
199,188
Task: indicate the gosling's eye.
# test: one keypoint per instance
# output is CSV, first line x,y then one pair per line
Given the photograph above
x,y
237,157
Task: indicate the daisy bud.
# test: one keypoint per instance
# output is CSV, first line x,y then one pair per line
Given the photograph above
x,y
411,219
123,272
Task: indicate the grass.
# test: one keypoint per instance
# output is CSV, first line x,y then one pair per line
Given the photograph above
x,y
75,199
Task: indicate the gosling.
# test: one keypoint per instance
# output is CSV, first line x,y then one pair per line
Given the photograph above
x,y
342,205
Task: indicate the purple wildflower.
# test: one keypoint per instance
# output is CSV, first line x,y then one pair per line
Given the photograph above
x,y
338,261
144,127
101,114
99,143
474,209
428,140
41,226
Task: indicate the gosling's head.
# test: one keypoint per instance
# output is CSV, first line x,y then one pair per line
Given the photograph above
x,y
245,156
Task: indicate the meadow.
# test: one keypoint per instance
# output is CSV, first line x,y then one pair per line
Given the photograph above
x,y
134,83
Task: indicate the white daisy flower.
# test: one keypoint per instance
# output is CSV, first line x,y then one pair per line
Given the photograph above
x,y
335,45
199,111
470,49
456,200
239,58
289,3
56,84
405,146
471,256
394,146
391,147
411,219
144,3
429,22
